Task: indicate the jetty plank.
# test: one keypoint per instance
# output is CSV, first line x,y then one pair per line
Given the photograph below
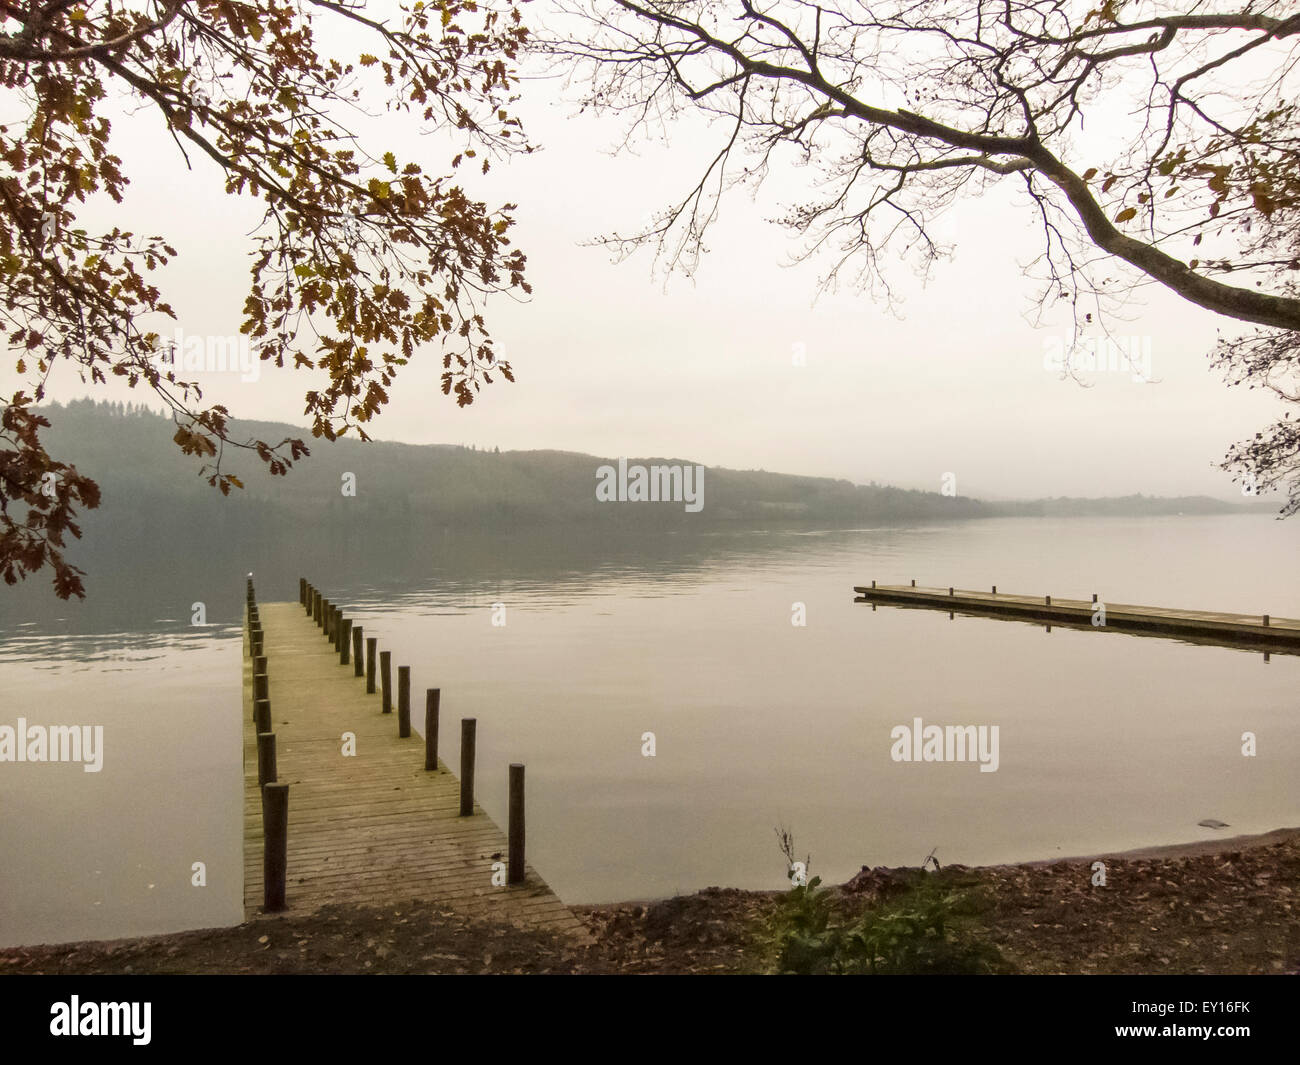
x,y
376,828
1280,635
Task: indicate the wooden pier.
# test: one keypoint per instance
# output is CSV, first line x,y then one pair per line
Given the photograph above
x,y
377,827
1256,632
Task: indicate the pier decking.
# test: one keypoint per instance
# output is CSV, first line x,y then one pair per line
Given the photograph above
x,y
1257,632
375,828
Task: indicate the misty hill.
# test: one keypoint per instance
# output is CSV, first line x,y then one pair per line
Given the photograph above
x,y
150,489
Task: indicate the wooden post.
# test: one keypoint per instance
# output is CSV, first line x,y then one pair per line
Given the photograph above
x,y
403,701
265,758
302,590
913,582
275,845
358,659
315,606
467,766
345,642
256,646
950,589
1049,600
1094,597
1265,621
261,687
386,681
259,663
371,644
262,715
515,830
337,634
311,598
995,589
432,697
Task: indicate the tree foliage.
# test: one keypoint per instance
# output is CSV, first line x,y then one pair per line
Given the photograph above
x,y
1156,142
360,257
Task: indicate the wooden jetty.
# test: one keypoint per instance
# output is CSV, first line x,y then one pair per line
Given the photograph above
x,y
1257,632
377,827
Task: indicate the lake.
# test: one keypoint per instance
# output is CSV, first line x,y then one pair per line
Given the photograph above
x,y
1106,741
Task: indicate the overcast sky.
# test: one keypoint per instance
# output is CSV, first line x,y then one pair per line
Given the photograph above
x,y
610,361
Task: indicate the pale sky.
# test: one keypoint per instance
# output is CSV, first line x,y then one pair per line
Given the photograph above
x,y
610,361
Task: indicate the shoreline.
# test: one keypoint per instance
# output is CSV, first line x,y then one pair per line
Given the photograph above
x,y
1205,906
1196,849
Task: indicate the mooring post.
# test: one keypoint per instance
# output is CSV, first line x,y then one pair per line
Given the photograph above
x,y
371,643
358,659
345,642
403,701
432,697
386,681
467,766
265,758
515,828
262,715
275,847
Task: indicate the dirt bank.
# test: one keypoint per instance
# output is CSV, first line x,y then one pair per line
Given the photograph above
x,y
1218,906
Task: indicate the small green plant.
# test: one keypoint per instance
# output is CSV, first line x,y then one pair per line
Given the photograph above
x,y
918,931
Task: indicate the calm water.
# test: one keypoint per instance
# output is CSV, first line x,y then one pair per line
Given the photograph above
x,y
1107,741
